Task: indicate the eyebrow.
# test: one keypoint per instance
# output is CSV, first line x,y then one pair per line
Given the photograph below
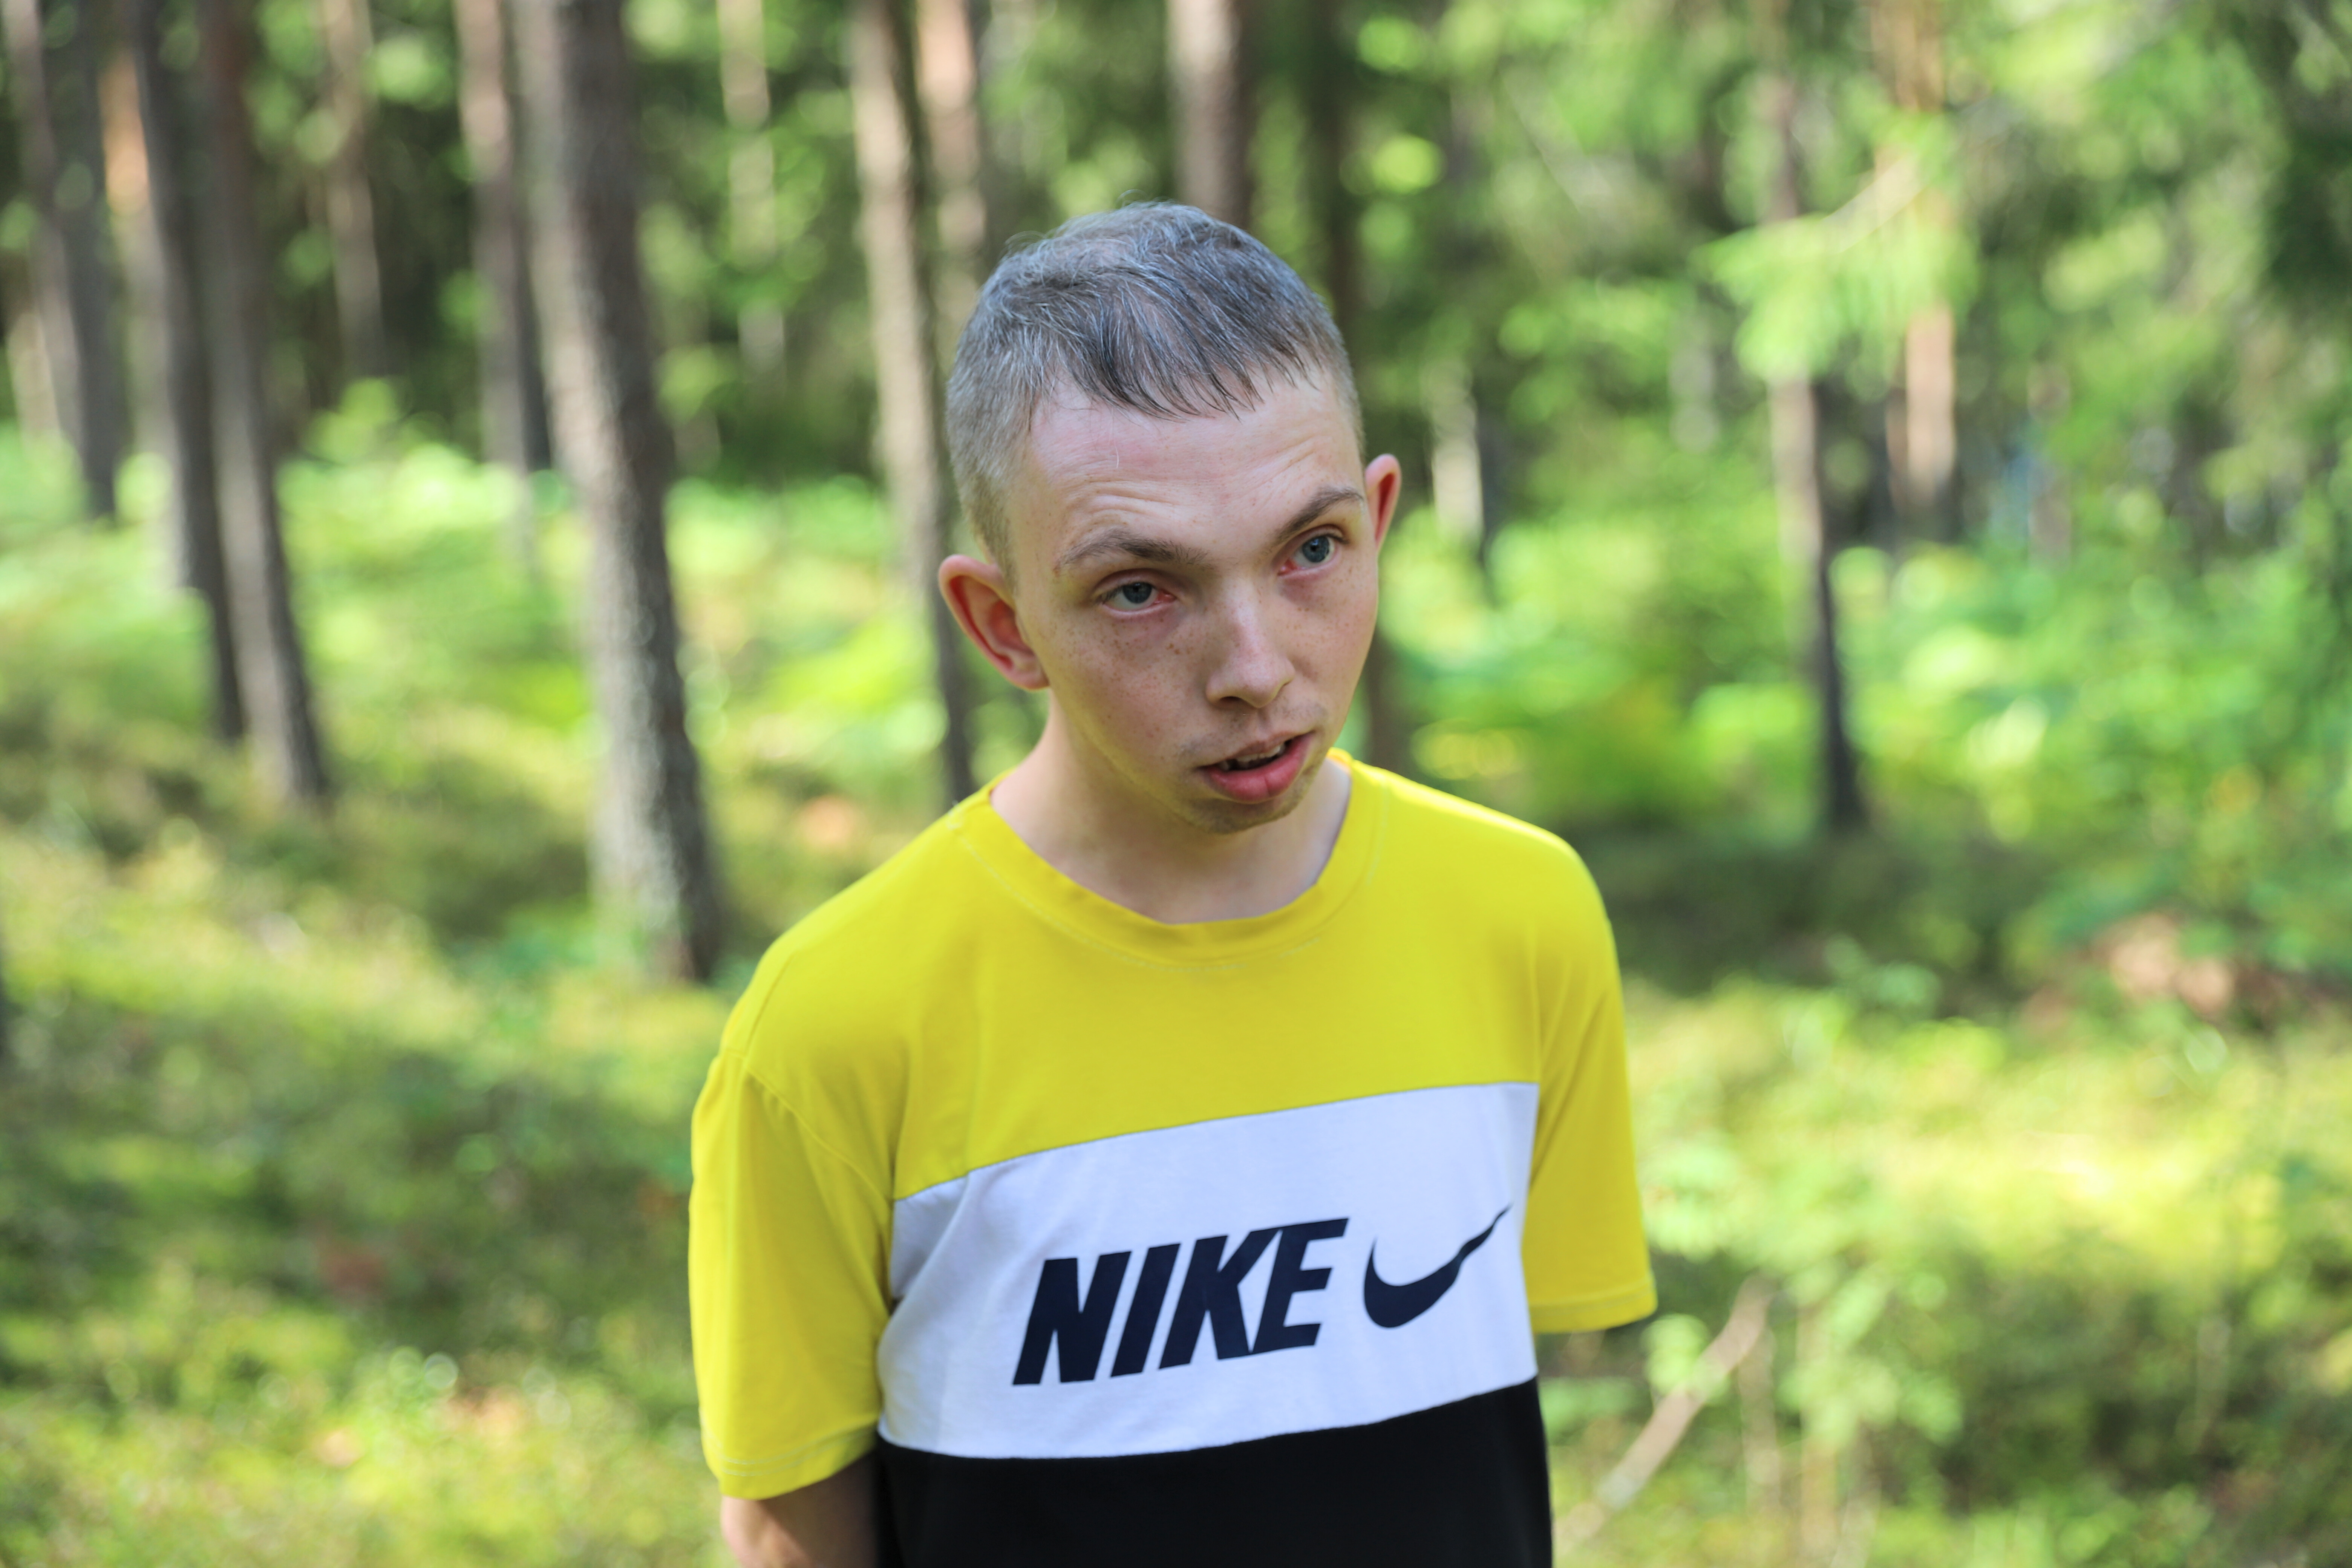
x,y
1121,539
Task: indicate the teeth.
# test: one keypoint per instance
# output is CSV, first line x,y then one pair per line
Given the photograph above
x,y
1243,764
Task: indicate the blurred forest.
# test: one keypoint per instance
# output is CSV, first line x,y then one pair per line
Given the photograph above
x,y
1880,487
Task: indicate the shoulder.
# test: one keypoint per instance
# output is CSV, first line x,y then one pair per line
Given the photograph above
x,y
1460,854
832,995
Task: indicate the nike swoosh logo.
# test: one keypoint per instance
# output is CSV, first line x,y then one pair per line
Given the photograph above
x,y
1394,1306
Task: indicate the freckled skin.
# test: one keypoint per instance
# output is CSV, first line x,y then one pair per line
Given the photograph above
x,y
1185,592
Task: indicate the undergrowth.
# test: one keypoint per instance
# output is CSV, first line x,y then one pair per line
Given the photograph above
x,y
343,1165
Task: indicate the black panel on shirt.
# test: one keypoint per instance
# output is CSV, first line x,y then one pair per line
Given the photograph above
x,y
1462,1485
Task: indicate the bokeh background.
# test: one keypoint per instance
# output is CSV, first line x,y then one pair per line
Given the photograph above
x,y
1879,487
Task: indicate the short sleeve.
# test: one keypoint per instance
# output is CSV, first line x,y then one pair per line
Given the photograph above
x,y
788,1271
1588,1265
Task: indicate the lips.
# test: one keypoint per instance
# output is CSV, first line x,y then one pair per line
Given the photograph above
x,y
1260,773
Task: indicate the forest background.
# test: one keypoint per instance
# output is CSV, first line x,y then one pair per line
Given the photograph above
x,y
1879,488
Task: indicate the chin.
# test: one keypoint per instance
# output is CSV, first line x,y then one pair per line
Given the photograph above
x,y
1232,817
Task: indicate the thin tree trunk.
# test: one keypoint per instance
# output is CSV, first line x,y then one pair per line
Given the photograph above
x,y
754,229
1817,1455
1922,434
1759,1429
176,243
272,674
1931,434
53,57
906,352
1331,93
7,1013
948,75
513,387
32,387
654,862
1805,547
1208,72
1007,30
350,205
131,217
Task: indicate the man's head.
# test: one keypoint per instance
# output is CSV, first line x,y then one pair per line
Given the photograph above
x,y
1155,434
1157,308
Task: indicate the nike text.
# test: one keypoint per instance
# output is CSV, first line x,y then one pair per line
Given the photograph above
x,y
1070,1317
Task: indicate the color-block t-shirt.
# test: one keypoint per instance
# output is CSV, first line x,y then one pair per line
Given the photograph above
x,y
1134,1242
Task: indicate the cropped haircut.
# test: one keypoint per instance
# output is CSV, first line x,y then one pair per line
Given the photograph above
x,y
1156,308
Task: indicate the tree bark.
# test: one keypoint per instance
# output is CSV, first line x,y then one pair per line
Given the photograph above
x,y
272,674
1922,436
350,204
175,241
1805,546
948,77
653,857
31,386
1330,93
7,1011
754,229
513,387
1208,73
906,352
53,56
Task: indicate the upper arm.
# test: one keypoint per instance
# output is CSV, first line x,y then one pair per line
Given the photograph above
x,y
788,1274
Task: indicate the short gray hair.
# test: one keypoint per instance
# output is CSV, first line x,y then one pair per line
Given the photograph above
x,y
1156,308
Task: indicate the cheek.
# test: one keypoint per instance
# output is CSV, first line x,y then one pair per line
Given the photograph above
x,y
1336,614
1111,664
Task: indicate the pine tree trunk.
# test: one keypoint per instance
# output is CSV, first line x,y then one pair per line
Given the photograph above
x,y
1330,94
350,204
7,1011
653,863
1209,75
1805,547
272,674
131,217
754,226
906,352
53,59
948,75
513,387
1931,433
177,244
1923,437
1796,445
1209,82
32,389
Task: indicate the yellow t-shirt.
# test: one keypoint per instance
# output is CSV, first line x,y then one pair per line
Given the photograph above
x,y
970,1161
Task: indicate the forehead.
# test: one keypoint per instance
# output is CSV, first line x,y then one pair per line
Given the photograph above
x,y
1087,465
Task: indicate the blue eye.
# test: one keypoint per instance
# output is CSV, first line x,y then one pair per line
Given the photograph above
x,y
1133,595
1317,550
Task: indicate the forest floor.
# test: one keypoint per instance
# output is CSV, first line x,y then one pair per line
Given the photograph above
x,y
342,1171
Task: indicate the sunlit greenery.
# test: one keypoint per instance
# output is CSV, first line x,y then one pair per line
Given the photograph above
x,y
342,1160
344,1173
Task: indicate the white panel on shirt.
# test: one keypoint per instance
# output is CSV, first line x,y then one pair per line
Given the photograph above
x,y
1414,1175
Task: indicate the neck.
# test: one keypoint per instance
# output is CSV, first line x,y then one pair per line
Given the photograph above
x,y
1081,819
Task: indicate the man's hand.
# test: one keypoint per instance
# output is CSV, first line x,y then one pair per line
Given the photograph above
x,y
828,1525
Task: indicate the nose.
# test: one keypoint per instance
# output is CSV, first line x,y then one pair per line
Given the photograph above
x,y
1249,665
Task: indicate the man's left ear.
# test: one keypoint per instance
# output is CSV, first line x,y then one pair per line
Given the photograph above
x,y
1383,482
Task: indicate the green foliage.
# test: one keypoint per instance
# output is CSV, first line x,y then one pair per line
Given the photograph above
x,y
2083,1281
344,1184
339,1176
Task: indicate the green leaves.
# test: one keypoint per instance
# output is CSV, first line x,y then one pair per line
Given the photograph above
x,y
1816,288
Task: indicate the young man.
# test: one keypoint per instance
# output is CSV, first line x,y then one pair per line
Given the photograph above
x,y
1168,1157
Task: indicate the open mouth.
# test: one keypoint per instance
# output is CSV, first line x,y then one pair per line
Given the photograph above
x,y
1263,758
1260,774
